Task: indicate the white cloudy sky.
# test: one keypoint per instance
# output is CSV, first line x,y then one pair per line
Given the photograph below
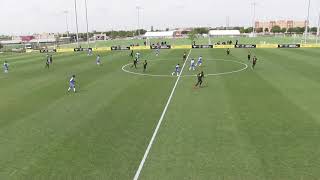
x,y
29,16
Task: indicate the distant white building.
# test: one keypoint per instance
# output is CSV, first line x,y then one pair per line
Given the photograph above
x,y
11,42
32,39
224,33
98,37
160,34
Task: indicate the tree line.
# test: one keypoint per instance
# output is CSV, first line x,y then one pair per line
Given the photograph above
x,y
110,34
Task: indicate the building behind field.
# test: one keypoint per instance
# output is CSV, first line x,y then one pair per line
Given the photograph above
x,y
35,38
160,34
224,33
268,25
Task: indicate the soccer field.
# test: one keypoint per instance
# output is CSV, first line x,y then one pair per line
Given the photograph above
x,y
204,41
242,124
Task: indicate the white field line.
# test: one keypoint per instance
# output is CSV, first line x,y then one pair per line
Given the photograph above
x,y
13,172
245,66
141,74
136,177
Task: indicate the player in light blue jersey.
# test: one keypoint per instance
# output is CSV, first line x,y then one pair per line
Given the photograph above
x,y
138,55
5,67
89,52
177,70
98,60
192,65
72,83
199,63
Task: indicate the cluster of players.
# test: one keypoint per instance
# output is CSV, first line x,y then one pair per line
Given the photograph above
x,y
136,61
193,66
253,60
200,75
177,71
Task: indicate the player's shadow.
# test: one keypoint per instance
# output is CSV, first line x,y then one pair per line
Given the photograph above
x,y
202,87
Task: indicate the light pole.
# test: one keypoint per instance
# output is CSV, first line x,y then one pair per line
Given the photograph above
x,y
138,13
75,9
227,22
307,24
254,18
67,23
318,30
88,40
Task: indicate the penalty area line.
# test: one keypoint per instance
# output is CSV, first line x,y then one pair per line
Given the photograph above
x,y
145,156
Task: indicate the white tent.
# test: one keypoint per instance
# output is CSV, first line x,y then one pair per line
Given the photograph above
x,y
162,34
224,33
11,42
51,40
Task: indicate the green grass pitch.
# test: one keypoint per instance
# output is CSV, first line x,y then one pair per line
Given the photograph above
x,y
243,124
200,40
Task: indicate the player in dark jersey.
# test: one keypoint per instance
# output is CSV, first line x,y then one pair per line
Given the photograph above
x,y
131,54
48,62
254,62
145,64
228,51
200,77
249,56
135,62
50,59
184,58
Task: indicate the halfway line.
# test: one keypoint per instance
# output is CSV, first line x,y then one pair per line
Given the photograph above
x,y
136,177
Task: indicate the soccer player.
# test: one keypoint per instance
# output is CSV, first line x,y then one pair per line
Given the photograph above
x,y
137,56
249,56
5,67
72,83
228,51
98,60
177,70
254,61
50,59
89,52
48,62
158,51
184,56
200,77
131,54
135,62
199,63
192,65
145,64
